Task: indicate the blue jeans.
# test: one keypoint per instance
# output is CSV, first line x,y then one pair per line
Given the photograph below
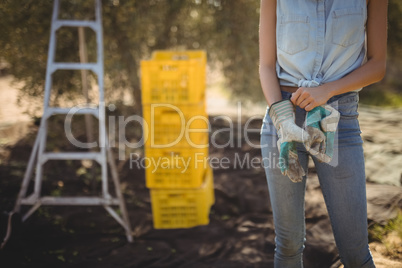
x,y
343,184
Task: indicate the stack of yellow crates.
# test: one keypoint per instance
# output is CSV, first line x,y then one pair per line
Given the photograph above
x,y
176,130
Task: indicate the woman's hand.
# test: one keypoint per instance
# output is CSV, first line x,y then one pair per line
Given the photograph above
x,y
310,97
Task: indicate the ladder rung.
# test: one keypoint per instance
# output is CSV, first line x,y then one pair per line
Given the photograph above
x,y
71,156
70,201
75,110
76,23
74,66
29,200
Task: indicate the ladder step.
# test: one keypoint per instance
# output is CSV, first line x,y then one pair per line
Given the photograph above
x,y
97,156
76,23
74,110
74,66
70,201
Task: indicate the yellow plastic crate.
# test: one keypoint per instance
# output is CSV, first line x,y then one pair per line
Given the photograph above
x,y
183,208
172,77
200,55
175,167
168,125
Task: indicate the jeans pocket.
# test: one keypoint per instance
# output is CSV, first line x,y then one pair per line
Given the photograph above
x,y
346,105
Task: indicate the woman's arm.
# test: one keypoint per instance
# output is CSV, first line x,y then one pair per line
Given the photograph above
x,y
370,72
267,36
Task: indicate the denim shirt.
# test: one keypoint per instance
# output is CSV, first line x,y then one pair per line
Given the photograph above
x,y
319,41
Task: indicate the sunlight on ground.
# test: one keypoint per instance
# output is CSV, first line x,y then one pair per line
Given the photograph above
x,y
219,103
13,122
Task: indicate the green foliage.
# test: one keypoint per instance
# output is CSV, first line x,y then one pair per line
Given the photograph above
x,y
377,232
380,97
227,30
395,29
24,37
380,233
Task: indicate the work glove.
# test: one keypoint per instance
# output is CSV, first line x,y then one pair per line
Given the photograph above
x,y
322,119
283,117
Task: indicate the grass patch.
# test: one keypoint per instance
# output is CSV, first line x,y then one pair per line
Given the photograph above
x,y
390,235
378,97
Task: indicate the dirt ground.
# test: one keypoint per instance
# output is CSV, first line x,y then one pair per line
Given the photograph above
x,y
240,232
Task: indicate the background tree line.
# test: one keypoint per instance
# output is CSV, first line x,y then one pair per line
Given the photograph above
x,y
226,29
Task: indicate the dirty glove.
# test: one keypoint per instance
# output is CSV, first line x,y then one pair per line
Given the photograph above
x,y
289,161
322,119
283,117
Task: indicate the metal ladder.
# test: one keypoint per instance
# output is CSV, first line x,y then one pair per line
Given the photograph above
x,y
103,157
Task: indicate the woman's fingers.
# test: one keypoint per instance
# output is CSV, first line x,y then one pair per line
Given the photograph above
x,y
295,97
299,96
303,99
305,102
310,106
